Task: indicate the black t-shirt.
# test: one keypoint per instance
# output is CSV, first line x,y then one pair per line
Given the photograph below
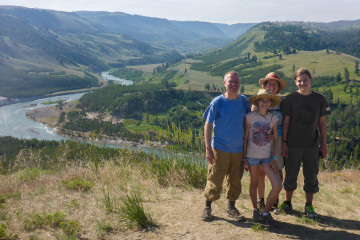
x,y
304,112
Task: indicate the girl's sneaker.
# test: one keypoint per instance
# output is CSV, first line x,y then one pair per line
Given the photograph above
x,y
256,215
268,220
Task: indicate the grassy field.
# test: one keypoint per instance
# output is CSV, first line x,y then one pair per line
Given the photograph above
x,y
319,63
86,199
139,126
147,68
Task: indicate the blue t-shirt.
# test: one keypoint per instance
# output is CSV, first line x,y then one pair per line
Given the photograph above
x,y
227,117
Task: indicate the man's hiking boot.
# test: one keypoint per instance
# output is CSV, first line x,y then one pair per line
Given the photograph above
x,y
268,220
256,215
310,212
284,208
206,215
235,214
261,204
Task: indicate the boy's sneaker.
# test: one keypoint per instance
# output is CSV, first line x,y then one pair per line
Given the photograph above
x,y
260,204
235,214
284,208
206,215
310,212
268,220
256,215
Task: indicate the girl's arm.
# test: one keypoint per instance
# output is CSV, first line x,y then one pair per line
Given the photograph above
x,y
246,139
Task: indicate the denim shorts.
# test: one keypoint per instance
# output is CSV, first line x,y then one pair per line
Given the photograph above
x,y
257,161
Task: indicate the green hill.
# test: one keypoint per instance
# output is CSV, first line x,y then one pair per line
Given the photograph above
x,y
284,47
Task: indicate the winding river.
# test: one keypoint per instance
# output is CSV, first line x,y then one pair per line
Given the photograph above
x,y
13,120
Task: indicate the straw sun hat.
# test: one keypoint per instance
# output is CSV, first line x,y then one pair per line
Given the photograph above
x,y
273,76
265,93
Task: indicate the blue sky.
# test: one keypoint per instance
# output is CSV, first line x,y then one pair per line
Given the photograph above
x,y
220,11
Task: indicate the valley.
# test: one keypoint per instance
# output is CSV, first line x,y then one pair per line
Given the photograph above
x,y
113,113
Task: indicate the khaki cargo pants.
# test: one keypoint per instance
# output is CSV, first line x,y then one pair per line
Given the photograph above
x,y
229,165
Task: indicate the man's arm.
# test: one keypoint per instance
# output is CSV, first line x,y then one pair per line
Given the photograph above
x,y
322,128
285,150
207,134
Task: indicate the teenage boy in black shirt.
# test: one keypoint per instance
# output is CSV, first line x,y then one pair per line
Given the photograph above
x,y
304,115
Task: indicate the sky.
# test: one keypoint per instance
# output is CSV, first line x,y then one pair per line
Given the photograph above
x,y
216,11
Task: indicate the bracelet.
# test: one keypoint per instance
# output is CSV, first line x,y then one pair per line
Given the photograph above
x,y
273,157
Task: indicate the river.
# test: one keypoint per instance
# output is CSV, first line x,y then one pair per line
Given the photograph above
x,y
13,120
108,77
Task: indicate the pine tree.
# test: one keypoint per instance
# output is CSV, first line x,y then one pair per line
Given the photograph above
x,y
338,77
346,75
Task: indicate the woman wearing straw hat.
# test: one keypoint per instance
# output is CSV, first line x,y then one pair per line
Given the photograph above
x,y
261,150
275,85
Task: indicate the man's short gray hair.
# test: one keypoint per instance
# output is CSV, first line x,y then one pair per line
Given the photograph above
x,y
229,73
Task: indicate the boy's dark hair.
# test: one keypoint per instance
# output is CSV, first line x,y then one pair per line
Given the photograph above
x,y
302,71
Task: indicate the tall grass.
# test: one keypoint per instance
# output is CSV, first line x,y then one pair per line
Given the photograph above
x,y
179,169
132,212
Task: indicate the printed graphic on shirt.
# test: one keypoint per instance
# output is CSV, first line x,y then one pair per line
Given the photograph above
x,y
260,133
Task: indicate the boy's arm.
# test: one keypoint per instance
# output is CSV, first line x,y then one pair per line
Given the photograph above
x,y
207,135
285,150
322,128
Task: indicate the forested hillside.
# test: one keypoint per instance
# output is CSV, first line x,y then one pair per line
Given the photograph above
x,y
163,115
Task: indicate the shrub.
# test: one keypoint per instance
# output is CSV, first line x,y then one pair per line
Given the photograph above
x,y
41,220
6,236
77,183
70,228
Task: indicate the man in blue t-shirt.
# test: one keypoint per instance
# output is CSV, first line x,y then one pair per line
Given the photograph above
x,y
224,151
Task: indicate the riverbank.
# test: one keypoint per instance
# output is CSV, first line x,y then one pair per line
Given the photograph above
x,y
49,115
8,101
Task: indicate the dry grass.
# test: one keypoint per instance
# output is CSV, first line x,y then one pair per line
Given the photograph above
x,y
175,209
